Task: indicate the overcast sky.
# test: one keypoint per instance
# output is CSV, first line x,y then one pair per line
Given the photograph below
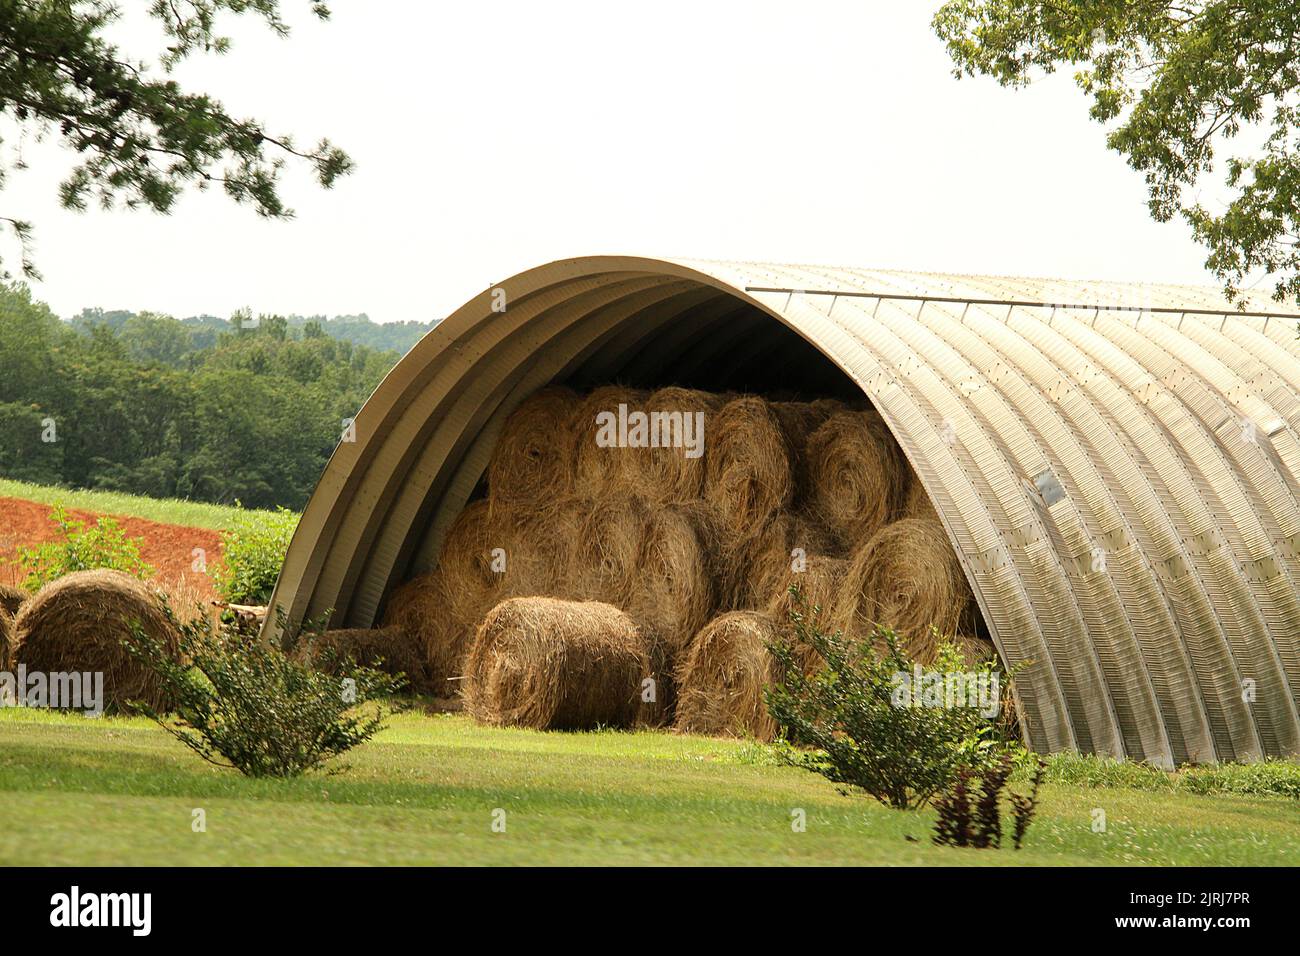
x,y
491,137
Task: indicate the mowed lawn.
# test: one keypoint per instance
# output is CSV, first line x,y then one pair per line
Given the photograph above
x,y
75,791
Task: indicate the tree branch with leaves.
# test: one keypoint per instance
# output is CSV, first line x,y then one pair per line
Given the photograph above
x,y
1176,83
140,138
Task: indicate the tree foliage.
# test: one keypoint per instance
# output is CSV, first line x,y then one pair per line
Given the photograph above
x,y
140,138
1176,82
130,406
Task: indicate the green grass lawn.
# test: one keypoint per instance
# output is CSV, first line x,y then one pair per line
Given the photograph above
x,y
192,514
78,792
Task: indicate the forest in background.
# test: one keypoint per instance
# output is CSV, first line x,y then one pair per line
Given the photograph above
x,y
247,409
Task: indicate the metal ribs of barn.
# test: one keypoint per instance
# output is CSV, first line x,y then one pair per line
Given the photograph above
x,y
1116,465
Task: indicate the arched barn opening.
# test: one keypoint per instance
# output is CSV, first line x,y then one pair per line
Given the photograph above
x,y
1115,467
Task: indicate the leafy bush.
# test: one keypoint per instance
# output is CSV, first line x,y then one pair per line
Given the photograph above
x,y
980,826
253,551
846,712
251,704
81,549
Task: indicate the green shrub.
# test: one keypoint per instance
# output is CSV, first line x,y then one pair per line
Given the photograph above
x,y
251,704
81,549
252,552
860,737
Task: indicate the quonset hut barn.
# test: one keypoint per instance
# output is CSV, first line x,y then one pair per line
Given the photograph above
x,y
1116,466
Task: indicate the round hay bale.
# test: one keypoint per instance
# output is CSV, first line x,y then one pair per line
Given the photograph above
x,y
907,577
721,680
77,624
469,564
917,502
760,563
748,475
607,553
420,610
599,470
665,474
391,648
674,593
856,475
540,549
533,458
12,598
562,665
819,583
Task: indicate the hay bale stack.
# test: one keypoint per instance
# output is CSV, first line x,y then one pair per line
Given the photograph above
x,y
597,470
391,648
906,576
760,563
549,664
665,475
748,476
77,624
720,682
857,475
12,598
533,457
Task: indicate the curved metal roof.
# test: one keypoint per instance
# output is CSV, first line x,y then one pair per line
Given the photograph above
x,y
1116,465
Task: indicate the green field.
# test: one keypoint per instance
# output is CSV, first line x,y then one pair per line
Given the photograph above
x,y
191,514
115,791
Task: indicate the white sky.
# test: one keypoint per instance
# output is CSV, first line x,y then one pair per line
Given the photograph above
x,y
494,136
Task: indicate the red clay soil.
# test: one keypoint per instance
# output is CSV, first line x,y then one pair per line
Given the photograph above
x,y
166,547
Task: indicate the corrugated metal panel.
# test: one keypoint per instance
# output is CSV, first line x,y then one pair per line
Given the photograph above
x,y
1116,465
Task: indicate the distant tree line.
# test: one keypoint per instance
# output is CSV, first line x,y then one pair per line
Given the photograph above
x,y
204,408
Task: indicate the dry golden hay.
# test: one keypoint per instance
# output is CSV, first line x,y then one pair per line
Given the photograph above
x,y
540,549
819,583
392,648
533,457
917,503
420,609
12,598
748,474
674,592
599,470
78,623
607,553
666,474
758,564
907,577
6,632
550,664
720,682
469,564
857,475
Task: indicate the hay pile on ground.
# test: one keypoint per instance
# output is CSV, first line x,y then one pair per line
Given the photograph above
x,y
6,632
907,577
784,493
544,663
77,623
